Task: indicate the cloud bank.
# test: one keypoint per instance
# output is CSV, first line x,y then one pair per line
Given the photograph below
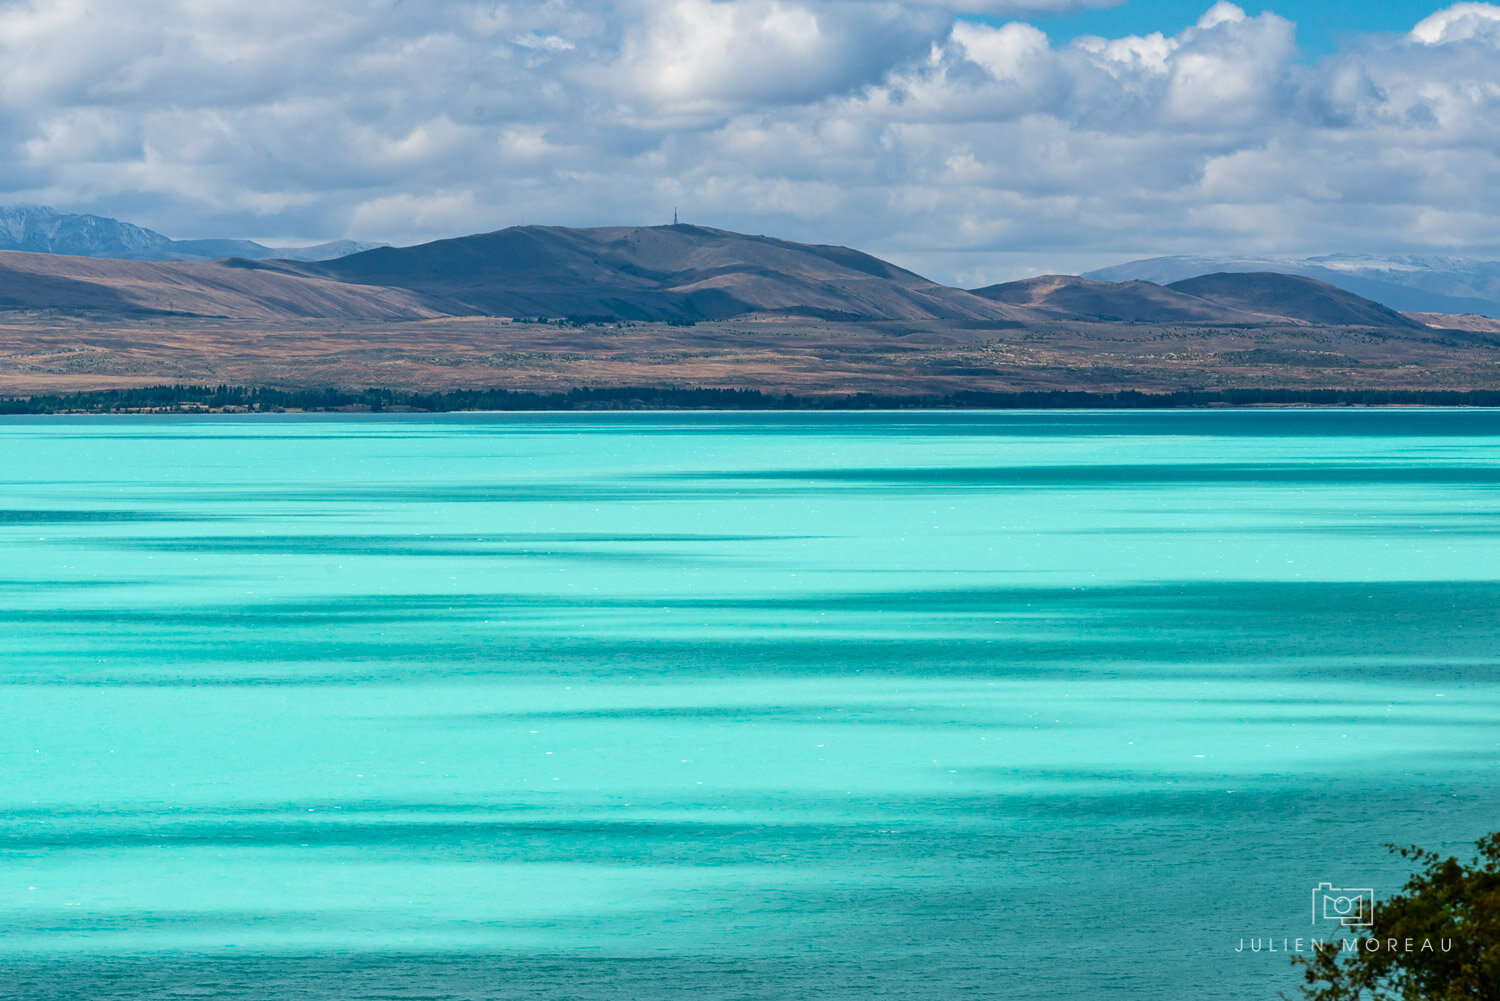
x,y
970,149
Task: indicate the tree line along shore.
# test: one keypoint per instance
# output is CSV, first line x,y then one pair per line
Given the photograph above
x,y
259,399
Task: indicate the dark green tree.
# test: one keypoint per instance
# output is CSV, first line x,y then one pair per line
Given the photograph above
x,y
1444,900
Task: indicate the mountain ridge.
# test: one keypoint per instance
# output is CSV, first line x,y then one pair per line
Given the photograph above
x,y
44,230
1070,297
545,309
106,286
1409,283
654,273
1250,298
676,273
1295,296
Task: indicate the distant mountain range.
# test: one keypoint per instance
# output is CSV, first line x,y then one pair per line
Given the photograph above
x,y
41,230
670,272
1410,284
659,273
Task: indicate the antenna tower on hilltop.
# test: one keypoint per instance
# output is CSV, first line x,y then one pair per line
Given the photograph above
x,y
674,215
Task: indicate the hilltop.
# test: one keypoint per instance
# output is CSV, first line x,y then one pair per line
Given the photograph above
x,y
676,272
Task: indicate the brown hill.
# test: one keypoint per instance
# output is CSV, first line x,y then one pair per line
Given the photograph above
x,y
231,288
639,273
656,272
1231,298
1068,297
1292,296
646,273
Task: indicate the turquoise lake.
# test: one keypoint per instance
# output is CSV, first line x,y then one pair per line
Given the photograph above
x,y
1021,705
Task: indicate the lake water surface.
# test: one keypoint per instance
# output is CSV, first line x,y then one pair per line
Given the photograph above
x,y
849,705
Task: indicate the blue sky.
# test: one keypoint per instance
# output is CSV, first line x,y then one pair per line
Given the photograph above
x,y
1321,24
941,134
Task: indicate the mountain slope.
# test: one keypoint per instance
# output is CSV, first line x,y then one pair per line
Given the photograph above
x,y
1256,298
1066,297
220,289
1295,297
213,250
1409,283
40,230
646,273
642,273
654,273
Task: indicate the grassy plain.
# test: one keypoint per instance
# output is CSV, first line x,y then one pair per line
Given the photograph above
x,y
51,353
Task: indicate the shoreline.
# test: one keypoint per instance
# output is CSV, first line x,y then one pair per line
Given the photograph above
x,y
230,400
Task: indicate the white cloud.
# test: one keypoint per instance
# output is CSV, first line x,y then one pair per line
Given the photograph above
x,y
952,145
441,210
1229,68
1222,12
1461,22
1013,52
716,55
543,43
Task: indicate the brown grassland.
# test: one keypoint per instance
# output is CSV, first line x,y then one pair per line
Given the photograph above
x,y
52,353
